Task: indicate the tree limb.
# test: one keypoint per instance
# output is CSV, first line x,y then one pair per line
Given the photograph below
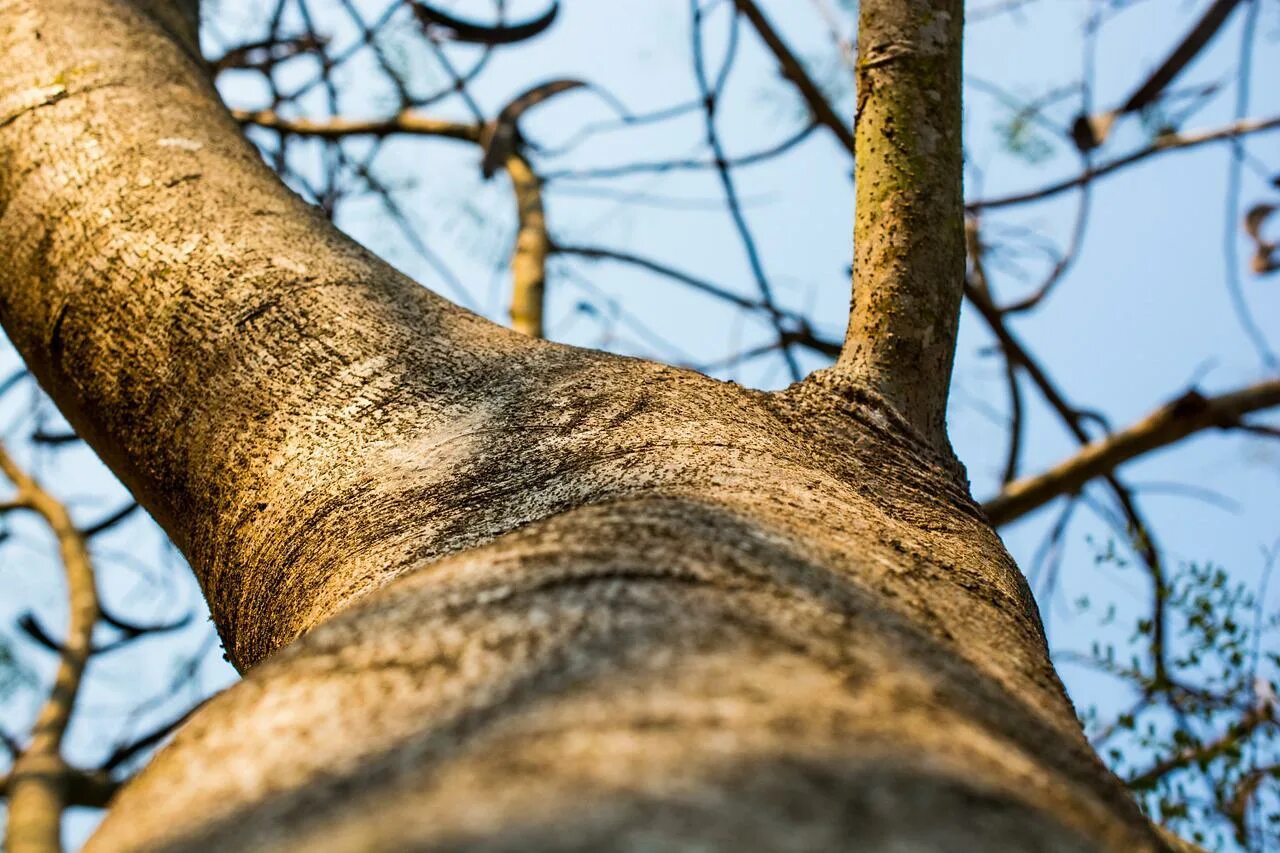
x,y
276,308
337,127
1238,732
1091,131
1173,422
529,258
802,335
39,786
1162,144
909,252
91,789
793,69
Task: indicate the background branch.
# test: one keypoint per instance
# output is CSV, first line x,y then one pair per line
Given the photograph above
x,y
1189,414
39,784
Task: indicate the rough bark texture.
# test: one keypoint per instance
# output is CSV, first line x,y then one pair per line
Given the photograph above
x,y
516,596
908,225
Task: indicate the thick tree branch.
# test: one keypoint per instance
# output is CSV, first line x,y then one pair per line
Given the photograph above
x,y
514,593
1173,422
39,787
909,252
291,333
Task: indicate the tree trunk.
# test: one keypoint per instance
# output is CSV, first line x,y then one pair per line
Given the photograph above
x,y
514,595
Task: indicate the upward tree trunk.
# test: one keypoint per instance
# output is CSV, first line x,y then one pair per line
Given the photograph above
x,y
514,595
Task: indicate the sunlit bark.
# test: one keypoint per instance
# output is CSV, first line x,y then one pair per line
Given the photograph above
x,y
495,593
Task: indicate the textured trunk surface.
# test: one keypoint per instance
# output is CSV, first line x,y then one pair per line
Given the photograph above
x,y
514,596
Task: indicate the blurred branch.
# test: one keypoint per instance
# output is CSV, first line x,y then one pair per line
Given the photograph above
x,y
802,335
1203,752
1237,809
87,788
1131,524
1162,144
666,166
406,121
105,524
1091,131
124,753
529,258
793,69
978,282
266,54
711,91
39,786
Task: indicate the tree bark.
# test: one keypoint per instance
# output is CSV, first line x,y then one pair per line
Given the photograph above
x,y
909,252
492,593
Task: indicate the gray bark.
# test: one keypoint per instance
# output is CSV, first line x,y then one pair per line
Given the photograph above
x,y
489,592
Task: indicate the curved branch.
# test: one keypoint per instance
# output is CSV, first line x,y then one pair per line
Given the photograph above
x,y
489,34
270,322
39,786
1189,414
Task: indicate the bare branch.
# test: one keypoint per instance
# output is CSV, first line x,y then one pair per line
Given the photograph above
x,y
1173,422
1091,131
1162,144
38,787
794,70
407,121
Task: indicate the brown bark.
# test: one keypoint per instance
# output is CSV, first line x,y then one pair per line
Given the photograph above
x,y
908,225
514,595
1183,417
529,255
